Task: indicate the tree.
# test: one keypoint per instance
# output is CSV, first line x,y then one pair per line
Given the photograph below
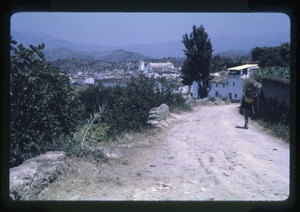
x,y
272,56
42,103
198,52
219,63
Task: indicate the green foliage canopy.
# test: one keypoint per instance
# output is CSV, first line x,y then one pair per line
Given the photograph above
x,y
198,52
42,103
272,56
127,108
219,63
275,72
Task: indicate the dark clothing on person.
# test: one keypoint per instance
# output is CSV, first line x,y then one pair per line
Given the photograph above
x,y
246,105
247,108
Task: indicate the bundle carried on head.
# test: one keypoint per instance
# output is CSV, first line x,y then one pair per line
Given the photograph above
x,y
250,96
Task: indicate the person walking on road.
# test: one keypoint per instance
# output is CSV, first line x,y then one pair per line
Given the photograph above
x,y
247,105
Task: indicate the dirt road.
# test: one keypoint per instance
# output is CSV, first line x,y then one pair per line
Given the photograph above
x,y
201,155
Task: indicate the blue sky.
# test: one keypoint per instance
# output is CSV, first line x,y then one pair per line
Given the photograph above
x,y
116,29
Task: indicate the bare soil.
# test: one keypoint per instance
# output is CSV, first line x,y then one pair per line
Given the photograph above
x,y
201,155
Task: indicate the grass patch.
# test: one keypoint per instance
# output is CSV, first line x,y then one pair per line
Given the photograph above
x,y
276,129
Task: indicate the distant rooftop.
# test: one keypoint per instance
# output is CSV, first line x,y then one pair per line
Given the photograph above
x,y
237,68
221,78
161,65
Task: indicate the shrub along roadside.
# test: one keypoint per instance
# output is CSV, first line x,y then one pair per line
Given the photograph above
x,y
42,104
124,111
83,141
269,113
277,129
127,108
47,114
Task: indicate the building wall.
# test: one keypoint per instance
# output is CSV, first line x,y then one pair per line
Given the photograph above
x,y
278,89
148,67
89,80
142,66
195,90
222,90
235,87
274,104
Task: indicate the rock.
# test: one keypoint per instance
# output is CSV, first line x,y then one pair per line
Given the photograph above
x,y
31,177
158,116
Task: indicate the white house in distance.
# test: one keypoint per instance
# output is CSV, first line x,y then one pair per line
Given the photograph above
x,y
230,83
89,81
141,65
219,85
159,66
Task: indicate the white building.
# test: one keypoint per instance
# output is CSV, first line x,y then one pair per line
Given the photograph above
x,y
230,84
89,81
219,85
141,65
159,66
194,90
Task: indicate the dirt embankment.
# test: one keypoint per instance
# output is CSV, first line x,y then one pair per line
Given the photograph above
x,y
201,155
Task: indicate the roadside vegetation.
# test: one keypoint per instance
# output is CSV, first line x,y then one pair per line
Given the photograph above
x,y
42,105
274,64
48,114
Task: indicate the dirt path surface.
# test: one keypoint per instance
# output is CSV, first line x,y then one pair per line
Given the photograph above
x,y
201,155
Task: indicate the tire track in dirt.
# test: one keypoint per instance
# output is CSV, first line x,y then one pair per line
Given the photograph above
x,y
201,155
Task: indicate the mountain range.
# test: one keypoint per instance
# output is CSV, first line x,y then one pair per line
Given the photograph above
x,y
58,48
109,56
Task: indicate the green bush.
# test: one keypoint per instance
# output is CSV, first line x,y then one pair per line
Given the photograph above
x,y
42,104
272,56
279,130
212,99
83,142
127,108
277,72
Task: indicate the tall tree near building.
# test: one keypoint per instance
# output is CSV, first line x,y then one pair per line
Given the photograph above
x,y
198,52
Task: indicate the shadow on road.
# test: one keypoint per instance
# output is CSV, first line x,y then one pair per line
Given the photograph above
x,y
240,127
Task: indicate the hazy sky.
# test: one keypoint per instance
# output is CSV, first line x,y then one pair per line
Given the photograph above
x,y
145,28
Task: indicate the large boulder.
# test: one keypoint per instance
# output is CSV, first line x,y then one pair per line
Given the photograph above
x,y
159,115
31,177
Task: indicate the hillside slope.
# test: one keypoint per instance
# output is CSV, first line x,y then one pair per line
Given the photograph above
x,y
109,56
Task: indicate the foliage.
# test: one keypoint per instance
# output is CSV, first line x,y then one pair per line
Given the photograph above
x,y
93,118
277,72
219,63
127,107
279,130
272,56
42,104
198,52
83,142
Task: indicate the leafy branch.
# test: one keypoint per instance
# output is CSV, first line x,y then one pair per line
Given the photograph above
x,y
91,120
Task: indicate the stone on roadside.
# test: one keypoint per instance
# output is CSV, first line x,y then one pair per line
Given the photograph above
x,y
33,175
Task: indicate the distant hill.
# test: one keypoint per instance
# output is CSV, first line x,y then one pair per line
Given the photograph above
x,y
73,65
111,56
36,38
121,55
63,53
221,43
234,54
